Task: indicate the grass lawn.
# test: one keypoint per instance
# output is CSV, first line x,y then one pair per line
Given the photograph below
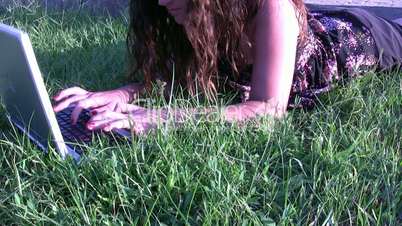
x,y
338,164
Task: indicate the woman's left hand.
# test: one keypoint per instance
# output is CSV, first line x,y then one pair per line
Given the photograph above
x,y
141,120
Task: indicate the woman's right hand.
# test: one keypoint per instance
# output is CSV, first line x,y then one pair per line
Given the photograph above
x,y
95,102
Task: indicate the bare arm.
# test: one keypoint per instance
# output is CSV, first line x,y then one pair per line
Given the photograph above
x,y
275,46
277,30
276,34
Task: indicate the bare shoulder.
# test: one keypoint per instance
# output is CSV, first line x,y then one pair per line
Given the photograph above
x,y
278,8
275,17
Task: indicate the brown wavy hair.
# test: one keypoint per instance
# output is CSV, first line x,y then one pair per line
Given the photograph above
x,y
211,33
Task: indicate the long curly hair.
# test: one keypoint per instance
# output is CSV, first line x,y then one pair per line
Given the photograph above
x,y
212,32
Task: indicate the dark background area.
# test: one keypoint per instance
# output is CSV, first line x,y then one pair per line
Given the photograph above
x,y
386,8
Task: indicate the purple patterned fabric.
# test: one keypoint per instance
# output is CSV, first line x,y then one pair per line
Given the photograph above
x,y
336,48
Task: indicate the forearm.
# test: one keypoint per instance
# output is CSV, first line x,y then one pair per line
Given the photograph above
x,y
232,113
251,110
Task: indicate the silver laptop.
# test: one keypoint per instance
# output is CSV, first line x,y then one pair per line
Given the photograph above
x,y
25,98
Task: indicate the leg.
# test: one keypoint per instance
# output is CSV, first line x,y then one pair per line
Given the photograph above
x,y
398,21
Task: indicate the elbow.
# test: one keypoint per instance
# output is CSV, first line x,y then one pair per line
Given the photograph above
x,y
253,109
270,107
275,107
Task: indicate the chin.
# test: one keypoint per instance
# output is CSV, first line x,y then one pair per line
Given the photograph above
x,y
179,20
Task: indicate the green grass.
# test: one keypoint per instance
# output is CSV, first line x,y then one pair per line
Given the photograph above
x,y
337,164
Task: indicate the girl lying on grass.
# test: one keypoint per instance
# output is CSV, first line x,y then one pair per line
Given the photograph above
x,y
271,51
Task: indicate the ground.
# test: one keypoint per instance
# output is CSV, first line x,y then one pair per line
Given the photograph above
x,y
337,164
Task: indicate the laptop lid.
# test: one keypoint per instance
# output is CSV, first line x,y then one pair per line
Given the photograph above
x,y
24,93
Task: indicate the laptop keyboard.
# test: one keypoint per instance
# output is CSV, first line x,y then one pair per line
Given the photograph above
x,y
74,133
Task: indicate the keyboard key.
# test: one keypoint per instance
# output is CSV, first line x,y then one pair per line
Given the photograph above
x,y
74,133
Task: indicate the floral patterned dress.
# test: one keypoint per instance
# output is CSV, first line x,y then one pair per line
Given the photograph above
x,y
338,47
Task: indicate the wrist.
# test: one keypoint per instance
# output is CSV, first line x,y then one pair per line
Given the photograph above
x,y
131,92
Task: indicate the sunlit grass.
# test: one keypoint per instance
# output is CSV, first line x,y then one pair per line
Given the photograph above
x,y
339,163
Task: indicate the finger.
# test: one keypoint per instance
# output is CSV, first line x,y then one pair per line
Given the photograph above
x,y
118,124
126,108
83,104
107,107
141,129
138,129
68,92
107,115
95,125
67,102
